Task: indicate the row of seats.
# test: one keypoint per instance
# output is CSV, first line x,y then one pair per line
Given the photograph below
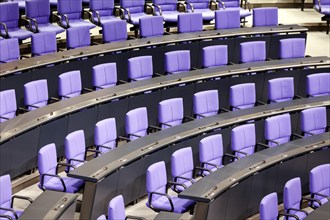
x,y
323,7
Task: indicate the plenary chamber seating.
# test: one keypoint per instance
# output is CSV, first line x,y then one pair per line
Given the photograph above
x,y
168,9
265,17
319,184
323,7
313,121
204,7
227,19
102,11
43,43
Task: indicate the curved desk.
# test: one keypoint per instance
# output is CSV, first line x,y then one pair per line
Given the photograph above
x,y
321,213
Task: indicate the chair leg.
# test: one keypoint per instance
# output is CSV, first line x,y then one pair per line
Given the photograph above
x,y
302,5
328,26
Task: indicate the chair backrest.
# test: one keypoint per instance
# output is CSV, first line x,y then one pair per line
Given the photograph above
x,y
105,134
5,192
265,17
78,37
313,121
104,7
116,209
166,5
133,5
319,181
75,147
114,31
36,94
177,61
151,26
182,164
269,207
231,3
253,51
200,4
243,138
136,123
156,179
206,103
292,48
318,84
190,22
280,89
72,8
140,68
292,195
9,49
8,105
278,128
227,19
214,56
69,84
47,161
9,14
242,96
39,10
104,75
43,43
170,112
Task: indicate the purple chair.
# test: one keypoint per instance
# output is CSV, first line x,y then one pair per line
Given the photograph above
x,y
102,11
323,7
78,37
292,48
9,50
235,4
170,113
132,10
140,68
168,9
104,75
227,19
242,96
313,121
48,169
157,185
7,199
151,26
38,13
9,22
8,106
318,84
253,51
43,43
280,89
265,17
36,94
190,22
69,84
114,31
69,14
319,184
243,140
206,103
204,7
177,61
214,56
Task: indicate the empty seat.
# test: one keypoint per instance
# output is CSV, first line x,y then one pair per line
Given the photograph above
x,y
43,43
48,168
177,61
9,50
243,140
136,123
265,17
319,184
104,75
253,51
235,4
36,94
69,84
168,9
280,89
278,129
227,19
133,10
114,31
151,26
318,84
204,7
8,106
242,96
156,186
78,37
313,121
214,56
323,7
190,22
140,68
102,11
206,103
292,48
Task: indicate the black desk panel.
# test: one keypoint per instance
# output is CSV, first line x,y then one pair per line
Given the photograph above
x,y
322,213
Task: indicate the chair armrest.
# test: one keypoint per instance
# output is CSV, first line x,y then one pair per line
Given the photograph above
x,y
168,125
222,3
6,30
64,164
10,210
22,110
275,142
77,160
20,197
27,23
123,138
191,6
60,22
158,74
229,155
312,200
298,210
91,17
101,146
319,3
6,216
297,135
184,178
150,6
161,194
223,110
152,127
261,103
47,174
53,99
134,217
211,164
322,195
159,9
231,63
88,90
4,118
122,82
94,151
200,115
247,3
241,152
297,97
235,107
135,135
128,13
265,146
184,6
176,184
201,169
187,118
167,33
35,23
289,215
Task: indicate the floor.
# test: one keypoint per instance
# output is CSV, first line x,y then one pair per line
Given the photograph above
x,y
317,45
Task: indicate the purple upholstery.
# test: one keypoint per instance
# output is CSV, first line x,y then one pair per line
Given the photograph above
x,y
40,11
169,10
170,112
43,43
36,94
265,17
318,84
234,5
8,105
156,183
9,15
253,51
136,9
269,207
140,68
280,89
182,166
78,37
47,162
69,84
214,56
325,6
211,152
206,103
75,148
319,182
202,6
105,135
190,22
313,121
103,10
104,75
136,123
242,96
292,197
9,50
102,217
292,48
151,26
177,61
116,208
278,129
243,140
227,19
114,31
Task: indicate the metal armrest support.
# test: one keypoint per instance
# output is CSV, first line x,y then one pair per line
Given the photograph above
x,y
289,215
297,135
135,135
185,178
64,164
88,90
235,107
52,175
27,23
247,3
152,8
6,216
199,115
6,30
159,9
121,82
53,99
261,103
319,3
187,118
298,210
60,22
297,97
175,184
265,146
201,169
211,164
311,200
22,110
184,6
4,118
36,30
20,197
168,125
230,155
275,142
241,152
161,194
191,6
325,196
158,74
122,138
152,127
91,17
94,151
10,210
101,146
224,110
128,13
33,106
223,4
77,160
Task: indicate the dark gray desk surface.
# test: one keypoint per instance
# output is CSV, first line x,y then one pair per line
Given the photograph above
x,y
211,186
100,167
321,213
29,120
173,216
35,62
49,205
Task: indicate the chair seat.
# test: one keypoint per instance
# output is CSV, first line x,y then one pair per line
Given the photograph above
x,y
19,213
282,100
300,215
18,33
242,12
143,78
180,205
80,22
135,18
72,185
50,28
105,19
180,188
325,9
39,105
207,14
324,200
170,16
